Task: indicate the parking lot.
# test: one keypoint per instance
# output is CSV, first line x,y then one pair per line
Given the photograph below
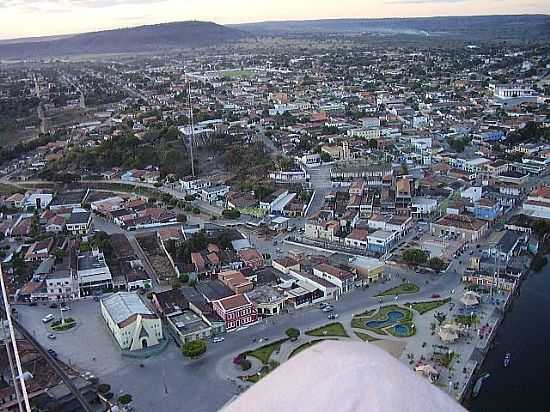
x,y
90,348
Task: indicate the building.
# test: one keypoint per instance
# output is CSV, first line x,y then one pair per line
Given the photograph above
x,y
236,311
212,193
321,230
93,273
357,238
235,281
382,241
79,223
466,227
133,325
268,301
343,279
487,209
538,203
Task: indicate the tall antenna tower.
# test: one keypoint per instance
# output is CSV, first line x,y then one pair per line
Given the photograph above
x,y
192,128
21,377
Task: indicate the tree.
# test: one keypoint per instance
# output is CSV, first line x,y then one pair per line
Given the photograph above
x,y
436,264
231,214
125,399
184,278
194,349
103,388
415,257
181,218
292,333
325,157
373,144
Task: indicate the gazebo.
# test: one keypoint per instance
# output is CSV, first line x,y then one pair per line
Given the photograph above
x,y
470,299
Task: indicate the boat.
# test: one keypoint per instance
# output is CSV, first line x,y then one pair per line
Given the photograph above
x,y
479,382
507,359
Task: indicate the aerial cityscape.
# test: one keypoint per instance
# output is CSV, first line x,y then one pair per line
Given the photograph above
x,y
275,211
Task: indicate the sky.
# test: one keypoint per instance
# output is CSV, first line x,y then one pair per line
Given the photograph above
x,y
28,18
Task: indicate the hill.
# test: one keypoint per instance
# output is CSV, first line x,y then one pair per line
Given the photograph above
x,y
466,28
178,35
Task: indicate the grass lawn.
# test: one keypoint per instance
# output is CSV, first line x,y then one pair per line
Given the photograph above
x,y
266,369
382,315
366,338
69,324
403,289
423,307
304,347
10,189
263,353
331,329
466,319
367,313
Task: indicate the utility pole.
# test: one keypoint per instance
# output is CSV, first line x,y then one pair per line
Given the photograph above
x,y
192,129
14,344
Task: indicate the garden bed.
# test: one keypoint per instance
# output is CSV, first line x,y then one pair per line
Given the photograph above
x,y
423,307
403,289
331,329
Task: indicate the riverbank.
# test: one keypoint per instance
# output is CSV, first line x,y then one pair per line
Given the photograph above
x,y
524,334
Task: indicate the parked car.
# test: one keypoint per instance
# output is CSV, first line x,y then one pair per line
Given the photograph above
x,y
52,353
53,305
51,336
47,318
33,303
218,339
65,308
333,316
435,296
328,308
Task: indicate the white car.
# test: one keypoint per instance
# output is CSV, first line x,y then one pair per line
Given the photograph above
x,y
47,318
218,339
65,309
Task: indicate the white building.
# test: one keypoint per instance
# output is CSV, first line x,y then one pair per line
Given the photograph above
x,y
211,194
79,223
311,160
368,134
538,203
133,325
93,273
343,279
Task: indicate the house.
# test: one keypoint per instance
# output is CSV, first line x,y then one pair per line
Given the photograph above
x,y
268,300
382,241
16,200
343,279
487,209
538,203
357,238
251,258
39,250
321,229
93,273
133,325
79,223
235,281
211,194
467,227
185,323
237,311
56,224
69,200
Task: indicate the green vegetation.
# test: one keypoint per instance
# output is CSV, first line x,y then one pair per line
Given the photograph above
x,y
231,214
331,329
381,316
304,347
466,320
293,333
458,144
415,257
423,307
194,349
365,337
437,264
403,289
266,369
10,189
243,73
58,326
263,353
125,399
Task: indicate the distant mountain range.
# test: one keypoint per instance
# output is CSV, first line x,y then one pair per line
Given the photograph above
x,y
195,34
180,35
471,28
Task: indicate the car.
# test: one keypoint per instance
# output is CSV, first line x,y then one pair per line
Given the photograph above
x,y
328,308
435,296
52,353
51,336
48,318
33,304
65,308
332,316
96,298
218,339
322,305
53,305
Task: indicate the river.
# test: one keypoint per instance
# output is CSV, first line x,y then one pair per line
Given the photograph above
x,y
525,333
